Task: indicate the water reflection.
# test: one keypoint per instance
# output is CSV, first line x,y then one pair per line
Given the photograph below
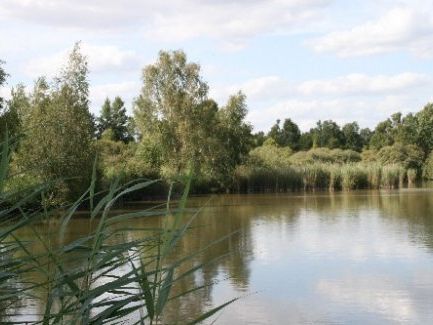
x,y
359,257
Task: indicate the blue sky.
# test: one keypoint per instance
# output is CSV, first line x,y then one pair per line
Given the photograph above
x,y
303,59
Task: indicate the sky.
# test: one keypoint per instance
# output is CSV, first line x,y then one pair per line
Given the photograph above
x,y
300,59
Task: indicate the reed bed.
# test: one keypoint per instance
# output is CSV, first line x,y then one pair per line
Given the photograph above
x,y
322,176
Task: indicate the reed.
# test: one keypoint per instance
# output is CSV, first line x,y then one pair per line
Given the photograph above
x,y
77,294
353,177
391,176
374,174
411,176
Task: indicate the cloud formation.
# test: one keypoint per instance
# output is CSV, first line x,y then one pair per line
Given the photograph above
x,y
399,29
105,58
232,22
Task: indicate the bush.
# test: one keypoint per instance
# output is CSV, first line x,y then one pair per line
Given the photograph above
x,y
408,156
325,155
270,155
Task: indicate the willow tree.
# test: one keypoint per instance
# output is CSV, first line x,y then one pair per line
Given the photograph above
x,y
172,112
58,142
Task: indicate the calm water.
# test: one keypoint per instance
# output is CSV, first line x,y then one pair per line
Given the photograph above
x,y
343,258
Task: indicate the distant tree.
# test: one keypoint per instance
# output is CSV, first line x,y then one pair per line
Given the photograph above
x,y
383,135
352,137
406,131
425,129
58,142
258,139
286,136
366,135
306,141
113,116
328,134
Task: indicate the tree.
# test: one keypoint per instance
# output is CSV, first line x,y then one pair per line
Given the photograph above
x,y
113,116
328,134
173,113
258,139
406,131
286,136
383,135
58,143
352,137
366,135
234,135
306,141
425,129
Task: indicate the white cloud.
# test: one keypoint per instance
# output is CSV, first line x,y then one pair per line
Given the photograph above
x,y
232,21
400,29
367,99
268,88
363,84
101,59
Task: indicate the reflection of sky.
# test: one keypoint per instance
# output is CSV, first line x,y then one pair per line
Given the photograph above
x,y
350,266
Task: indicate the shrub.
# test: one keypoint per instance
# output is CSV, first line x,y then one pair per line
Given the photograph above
x,y
325,155
408,156
270,155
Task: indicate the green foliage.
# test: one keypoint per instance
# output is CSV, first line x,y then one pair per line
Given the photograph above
x,y
352,138
137,274
173,109
258,139
58,142
286,136
353,176
325,155
427,170
327,134
113,116
392,176
271,155
234,138
425,128
369,155
306,141
382,136
9,121
409,156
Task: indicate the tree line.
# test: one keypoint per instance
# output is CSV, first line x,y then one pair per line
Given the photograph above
x,y
176,129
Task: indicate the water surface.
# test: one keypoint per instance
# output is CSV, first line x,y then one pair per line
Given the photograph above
x,y
362,257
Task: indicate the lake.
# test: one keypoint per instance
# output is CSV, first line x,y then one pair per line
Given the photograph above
x,y
362,257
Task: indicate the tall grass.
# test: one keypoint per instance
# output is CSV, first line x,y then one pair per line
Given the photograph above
x,y
91,292
321,176
353,177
